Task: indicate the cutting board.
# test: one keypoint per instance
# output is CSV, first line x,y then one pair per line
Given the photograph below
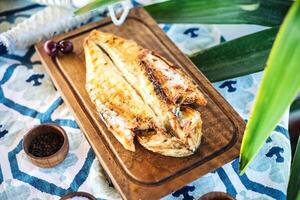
x,y
143,174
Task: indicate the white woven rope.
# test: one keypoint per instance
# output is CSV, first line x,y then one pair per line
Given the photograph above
x,y
42,25
126,6
54,20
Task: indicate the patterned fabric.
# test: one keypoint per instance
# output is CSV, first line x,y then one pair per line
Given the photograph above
x,y
28,98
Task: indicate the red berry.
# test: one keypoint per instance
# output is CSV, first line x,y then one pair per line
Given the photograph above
x,y
65,46
50,47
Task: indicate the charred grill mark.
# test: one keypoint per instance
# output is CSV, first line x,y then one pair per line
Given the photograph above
x,y
179,100
143,132
157,87
106,53
170,131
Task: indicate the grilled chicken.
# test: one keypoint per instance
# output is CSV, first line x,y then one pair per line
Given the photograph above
x,y
145,92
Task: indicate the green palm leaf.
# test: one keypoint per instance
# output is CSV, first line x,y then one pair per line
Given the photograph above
x,y
94,5
263,12
237,57
279,86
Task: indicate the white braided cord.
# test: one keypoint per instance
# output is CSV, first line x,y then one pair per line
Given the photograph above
x,y
42,25
54,20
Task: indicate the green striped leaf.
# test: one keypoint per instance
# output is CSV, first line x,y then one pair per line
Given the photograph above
x,y
94,5
263,12
237,57
280,85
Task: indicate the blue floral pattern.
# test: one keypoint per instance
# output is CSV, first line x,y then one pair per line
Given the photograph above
x,y
28,98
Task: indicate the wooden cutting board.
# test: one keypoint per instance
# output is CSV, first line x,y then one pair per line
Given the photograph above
x,y
143,174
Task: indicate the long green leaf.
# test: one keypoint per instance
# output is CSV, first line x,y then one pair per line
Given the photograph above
x,y
237,57
263,12
293,191
94,5
279,86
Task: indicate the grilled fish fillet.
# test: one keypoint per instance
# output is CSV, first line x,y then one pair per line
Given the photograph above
x,y
121,108
146,92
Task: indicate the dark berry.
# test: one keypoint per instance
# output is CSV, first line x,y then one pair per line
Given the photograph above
x,y
65,46
50,48
54,52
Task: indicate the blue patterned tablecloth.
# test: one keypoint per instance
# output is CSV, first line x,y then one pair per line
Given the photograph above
x,y
28,98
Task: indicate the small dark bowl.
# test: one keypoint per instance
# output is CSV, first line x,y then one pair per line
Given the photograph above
x,y
47,161
216,196
78,194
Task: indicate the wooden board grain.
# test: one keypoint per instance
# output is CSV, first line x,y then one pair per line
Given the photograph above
x,y
143,174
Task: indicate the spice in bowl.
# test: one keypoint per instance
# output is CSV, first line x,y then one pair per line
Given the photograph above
x,y
46,144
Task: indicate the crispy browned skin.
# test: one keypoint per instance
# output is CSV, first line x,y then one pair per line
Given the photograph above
x,y
156,95
175,85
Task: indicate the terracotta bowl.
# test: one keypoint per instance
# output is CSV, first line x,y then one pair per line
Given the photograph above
x,y
216,196
78,194
54,159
